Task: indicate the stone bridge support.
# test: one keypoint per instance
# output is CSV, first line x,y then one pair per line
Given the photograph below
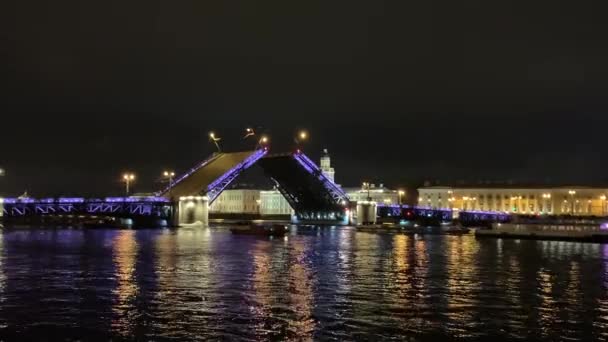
x,y
192,210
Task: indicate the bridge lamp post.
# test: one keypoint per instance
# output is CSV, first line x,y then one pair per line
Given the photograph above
x,y
263,141
365,186
301,137
215,140
249,132
169,176
128,178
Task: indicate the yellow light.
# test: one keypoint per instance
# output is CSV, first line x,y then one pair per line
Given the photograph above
x,y
303,135
212,135
603,197
401,192
264,139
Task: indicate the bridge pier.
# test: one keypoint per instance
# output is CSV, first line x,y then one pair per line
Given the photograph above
x,y
366,213
192,210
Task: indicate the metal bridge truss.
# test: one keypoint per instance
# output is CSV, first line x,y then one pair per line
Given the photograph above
x,y
336,193
215,189
155,207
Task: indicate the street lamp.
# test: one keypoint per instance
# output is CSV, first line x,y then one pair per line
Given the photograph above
x,y
366,185
301,137
572,193
2,172
263,140
401,193
215,140
128,178
248,133
169,176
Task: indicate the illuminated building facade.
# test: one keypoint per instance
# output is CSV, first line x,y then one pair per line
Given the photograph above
x,y
237,201
272,202
574,200
378,194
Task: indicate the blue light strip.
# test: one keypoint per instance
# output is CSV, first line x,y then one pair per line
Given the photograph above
x,y
311,167
69,200
217,186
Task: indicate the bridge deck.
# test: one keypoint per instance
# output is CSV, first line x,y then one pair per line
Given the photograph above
x,y
201,178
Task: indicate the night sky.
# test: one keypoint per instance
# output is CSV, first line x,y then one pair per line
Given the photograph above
x,y
399,91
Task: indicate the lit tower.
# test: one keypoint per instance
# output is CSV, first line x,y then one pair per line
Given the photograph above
x,y
326,168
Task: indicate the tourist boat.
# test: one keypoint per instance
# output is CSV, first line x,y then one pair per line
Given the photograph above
x,y
270,230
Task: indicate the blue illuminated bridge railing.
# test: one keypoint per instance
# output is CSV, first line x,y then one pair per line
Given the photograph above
x,y
216,187
337,194
406,211
110,206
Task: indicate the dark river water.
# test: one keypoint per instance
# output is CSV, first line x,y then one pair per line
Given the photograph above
x,y
315,284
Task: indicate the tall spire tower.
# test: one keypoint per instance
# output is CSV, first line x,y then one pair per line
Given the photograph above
x,y
326,168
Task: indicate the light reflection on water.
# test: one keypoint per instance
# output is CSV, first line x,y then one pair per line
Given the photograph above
x,y
318,283
125,257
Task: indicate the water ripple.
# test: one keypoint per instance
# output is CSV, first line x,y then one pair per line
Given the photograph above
x,y
316,284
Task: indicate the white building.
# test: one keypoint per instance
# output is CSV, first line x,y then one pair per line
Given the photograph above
x,y
523,200
371,192
237,201
272,202
326,168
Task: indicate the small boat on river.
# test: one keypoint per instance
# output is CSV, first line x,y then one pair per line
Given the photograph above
x,y
270,230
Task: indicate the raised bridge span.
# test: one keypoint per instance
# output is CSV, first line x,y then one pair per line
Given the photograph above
x,y
312,196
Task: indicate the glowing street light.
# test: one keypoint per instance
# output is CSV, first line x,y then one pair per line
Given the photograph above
x,y
401,193
215,140
367,186
249,132
301,137
169,176
2,172
128,178
264,140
